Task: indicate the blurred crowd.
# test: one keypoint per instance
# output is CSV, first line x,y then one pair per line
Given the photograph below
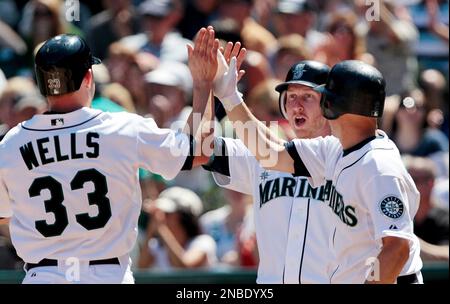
x,y
189,222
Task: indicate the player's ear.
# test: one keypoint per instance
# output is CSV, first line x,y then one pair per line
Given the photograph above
x,y
89,83
88,80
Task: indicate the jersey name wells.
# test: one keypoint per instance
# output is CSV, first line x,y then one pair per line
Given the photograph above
x,y
286,186
48,150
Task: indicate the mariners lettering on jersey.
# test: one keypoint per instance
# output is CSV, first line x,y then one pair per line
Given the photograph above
x,y
37,153
285,186
346,213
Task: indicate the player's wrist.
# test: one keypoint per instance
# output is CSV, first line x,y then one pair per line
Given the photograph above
x,y
231,101
203,84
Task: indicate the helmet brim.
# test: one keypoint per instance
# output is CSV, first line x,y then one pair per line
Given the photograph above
x,y
283,86
324,91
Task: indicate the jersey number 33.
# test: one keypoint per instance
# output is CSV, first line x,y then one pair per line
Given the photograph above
x,y
55,203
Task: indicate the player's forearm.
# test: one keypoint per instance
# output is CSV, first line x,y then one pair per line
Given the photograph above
x,y
270,133
391,260
200,96
199,128
204,137
258,139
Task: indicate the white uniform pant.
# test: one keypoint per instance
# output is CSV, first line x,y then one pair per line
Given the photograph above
x,y
71,271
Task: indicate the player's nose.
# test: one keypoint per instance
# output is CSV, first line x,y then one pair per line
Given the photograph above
x,y
297,107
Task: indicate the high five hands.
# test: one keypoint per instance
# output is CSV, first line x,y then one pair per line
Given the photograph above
x,y
228,74
218,68
203,57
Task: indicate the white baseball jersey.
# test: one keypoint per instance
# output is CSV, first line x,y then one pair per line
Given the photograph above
x,y
70,183
292,230
371,195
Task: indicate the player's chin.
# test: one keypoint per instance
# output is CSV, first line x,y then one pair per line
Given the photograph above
x,y
301,131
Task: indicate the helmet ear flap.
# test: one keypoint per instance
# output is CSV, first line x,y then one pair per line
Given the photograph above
x,y
282,103
331,106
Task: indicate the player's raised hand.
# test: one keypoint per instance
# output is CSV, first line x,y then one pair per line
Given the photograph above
x,y
235,50
203,56
228,74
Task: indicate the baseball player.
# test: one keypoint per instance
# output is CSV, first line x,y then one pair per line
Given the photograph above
x,y
291,230
69,178
371,195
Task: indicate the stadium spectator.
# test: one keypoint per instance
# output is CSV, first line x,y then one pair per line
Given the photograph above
x,y
431,223
197,14
390,40
12,51
256,64
298,17
174,237
224,225
120,95
290,49
118,20
343,42
410,131
44,19
169,87
435,88
160,37
126,67
254,36
19,101
9,13
431,19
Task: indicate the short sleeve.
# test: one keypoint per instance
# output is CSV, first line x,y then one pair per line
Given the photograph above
x,y
238,161
5,204
314,154
161,151
388,201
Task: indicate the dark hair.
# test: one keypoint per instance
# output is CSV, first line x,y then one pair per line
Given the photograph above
x,y
190,224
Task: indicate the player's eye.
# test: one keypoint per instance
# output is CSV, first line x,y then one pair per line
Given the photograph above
x,y
292,97
307,97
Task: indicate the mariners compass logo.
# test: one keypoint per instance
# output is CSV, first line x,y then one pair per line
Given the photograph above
x,y
392,207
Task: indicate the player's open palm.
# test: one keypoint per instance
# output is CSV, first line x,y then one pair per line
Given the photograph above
x,y
203,56
235,50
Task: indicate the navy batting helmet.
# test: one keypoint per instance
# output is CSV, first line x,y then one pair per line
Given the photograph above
x,y
308,73
353,87
61,64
